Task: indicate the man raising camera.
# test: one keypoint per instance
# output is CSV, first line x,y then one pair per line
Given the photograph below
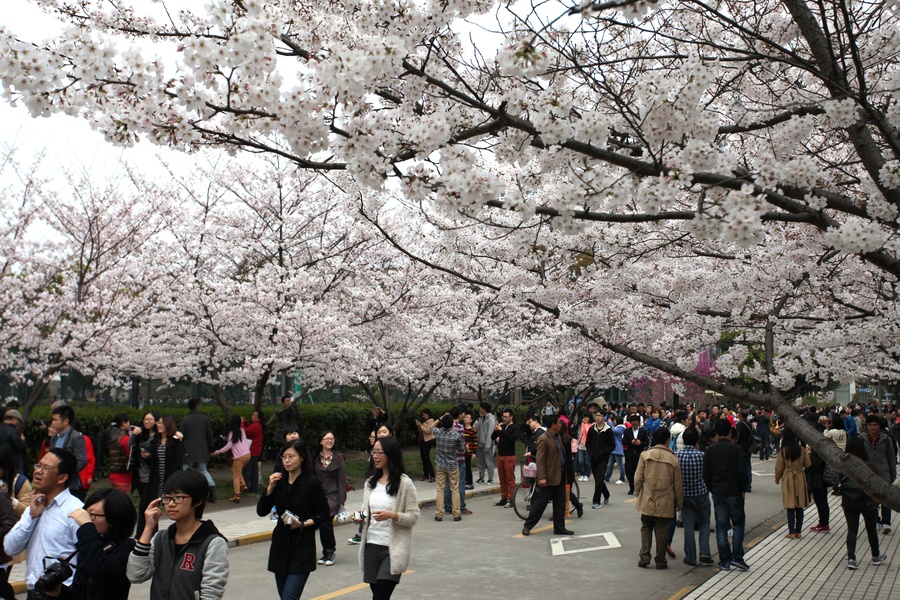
x,y
45,530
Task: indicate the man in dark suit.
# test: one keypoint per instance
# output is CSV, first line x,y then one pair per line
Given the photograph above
x,y
198,443
551,480
634,442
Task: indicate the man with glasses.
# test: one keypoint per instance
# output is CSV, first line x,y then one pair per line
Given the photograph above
x,y
45,529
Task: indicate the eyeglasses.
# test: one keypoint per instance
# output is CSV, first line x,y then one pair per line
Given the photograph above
x,y
172,499
42,468
377,453
95,516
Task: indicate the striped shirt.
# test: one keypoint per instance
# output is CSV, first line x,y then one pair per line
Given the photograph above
x,y
691,461
161,466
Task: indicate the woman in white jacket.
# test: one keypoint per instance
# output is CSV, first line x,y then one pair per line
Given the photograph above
x,y
683,420
390,509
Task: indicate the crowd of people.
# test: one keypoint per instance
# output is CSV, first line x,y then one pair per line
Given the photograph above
x,y
685,467
95,546
674,460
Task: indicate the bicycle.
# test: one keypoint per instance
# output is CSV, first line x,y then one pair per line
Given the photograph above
x,y
524,492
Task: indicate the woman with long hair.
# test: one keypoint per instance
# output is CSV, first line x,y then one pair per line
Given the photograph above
x,y
390,509
104,542
856,502
166,457
142,439
240,456
331,471
790,472
300,503
426,443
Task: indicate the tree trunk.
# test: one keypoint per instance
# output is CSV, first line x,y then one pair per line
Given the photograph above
x,y
37,393
259,390
219,396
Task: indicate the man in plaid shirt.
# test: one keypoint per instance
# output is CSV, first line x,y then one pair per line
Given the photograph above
x,y
695,508
448,442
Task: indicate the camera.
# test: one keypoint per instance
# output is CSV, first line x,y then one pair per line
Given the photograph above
x,y
289,518
54,575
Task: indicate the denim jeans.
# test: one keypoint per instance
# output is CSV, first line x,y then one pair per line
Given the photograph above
x,y
584,463
615,459
201,466
795,520
729,514
695,511
290,586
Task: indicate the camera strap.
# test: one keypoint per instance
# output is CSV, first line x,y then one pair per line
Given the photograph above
x,y
64,560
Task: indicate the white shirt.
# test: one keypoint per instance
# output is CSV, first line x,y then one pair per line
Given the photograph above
x,y
53,534
380,531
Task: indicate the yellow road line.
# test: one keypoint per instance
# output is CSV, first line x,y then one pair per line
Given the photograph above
x,y
682,592
630,501
755,542
533,531
348,590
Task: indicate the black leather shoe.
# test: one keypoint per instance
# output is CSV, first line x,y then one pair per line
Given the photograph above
x,y
526,531
661,567
580,509
564,532
644,565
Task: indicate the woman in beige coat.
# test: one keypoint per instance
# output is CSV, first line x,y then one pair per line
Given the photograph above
x,y
790,472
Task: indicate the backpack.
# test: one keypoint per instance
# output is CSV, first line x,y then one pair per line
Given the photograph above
x,y
20,481
675,441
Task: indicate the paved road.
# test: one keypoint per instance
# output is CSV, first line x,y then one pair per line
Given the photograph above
x,y
485,555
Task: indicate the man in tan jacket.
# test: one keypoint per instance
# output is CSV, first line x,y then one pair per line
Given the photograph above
x,y
658,489
551,479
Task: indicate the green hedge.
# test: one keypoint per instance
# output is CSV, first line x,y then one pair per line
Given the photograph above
x,y
346,419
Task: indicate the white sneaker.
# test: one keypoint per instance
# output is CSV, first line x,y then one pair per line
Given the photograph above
x,y
619,482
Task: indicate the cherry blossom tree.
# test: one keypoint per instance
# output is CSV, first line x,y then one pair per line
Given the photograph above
x,y
256,260
75,277
726,167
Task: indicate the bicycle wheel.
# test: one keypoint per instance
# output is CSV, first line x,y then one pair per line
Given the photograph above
x,y
521,500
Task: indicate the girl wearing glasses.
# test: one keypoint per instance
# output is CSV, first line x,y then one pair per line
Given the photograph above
x,y
300,503
330,471
104,544
189,559
390,508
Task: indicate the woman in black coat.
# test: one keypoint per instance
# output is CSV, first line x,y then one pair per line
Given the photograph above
x,y
600,444
103,543
300,502
166,457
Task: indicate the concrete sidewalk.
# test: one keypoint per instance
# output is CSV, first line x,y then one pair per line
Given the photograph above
x,y
814,567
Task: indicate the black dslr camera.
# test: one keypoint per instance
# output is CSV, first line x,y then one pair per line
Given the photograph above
x,y
54,575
